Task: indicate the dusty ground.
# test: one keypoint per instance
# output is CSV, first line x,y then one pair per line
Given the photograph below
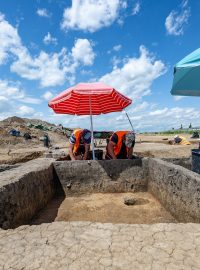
x,y
22,152
89,246
106,208
158,146
16,149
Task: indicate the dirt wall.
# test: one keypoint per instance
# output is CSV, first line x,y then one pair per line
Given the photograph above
x,y
177,188
25,190
102,176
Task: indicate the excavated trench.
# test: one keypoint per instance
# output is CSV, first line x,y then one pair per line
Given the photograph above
x,y
105,208
45,190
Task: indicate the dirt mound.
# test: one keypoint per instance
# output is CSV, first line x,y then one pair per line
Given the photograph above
x,y
15,121
35,127
12,121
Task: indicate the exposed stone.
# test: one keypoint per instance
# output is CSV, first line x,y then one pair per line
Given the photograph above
x,y
129,201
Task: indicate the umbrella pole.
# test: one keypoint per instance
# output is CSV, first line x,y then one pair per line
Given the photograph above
x,y
93,156
129,120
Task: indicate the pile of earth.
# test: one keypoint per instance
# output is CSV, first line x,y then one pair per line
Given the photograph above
x,y
36,128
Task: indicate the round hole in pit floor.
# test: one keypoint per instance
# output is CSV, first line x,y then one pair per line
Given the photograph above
x,y
135,201
105,208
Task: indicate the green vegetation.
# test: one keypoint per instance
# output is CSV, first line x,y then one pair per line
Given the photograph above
x,y
173,132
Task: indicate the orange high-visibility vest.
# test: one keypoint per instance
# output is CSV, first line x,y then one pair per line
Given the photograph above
x,y
118,146
77,133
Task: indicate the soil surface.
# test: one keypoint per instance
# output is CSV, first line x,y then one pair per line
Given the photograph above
x,y
105,208
17,150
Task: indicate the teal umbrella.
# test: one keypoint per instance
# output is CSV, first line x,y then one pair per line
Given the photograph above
x,y
187,76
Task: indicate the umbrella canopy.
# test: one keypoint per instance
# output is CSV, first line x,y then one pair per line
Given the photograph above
x,y
187,76
89,98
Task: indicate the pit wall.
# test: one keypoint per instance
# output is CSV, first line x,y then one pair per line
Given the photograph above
x,y
184,162
78,177
177,188
28,188
24,191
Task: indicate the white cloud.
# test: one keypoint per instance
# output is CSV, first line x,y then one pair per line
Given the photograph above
x,y
5,104
117,48
136,8
12,99
30,100
115,61
25,111
136,76
54,69
12,91
9,39
50,69
176,20
43,12
91,15
47,95
159,112
184,3
177,98
46,67
142,116
139,107
167,118
82,52
48,39
159,119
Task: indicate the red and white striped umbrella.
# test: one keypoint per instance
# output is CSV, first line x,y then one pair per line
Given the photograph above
x,y
89,98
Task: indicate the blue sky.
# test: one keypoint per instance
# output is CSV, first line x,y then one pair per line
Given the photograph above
x,y
47,46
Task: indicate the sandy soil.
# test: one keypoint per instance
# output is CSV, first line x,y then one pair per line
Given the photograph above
x,y
161,150
146,146
107,207
17,149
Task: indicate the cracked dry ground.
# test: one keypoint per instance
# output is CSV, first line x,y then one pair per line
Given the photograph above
x,y
85,245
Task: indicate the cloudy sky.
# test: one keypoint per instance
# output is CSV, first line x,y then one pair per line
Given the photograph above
x,y
47,46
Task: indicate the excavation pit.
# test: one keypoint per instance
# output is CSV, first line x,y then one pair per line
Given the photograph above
x,y
45,190
105,208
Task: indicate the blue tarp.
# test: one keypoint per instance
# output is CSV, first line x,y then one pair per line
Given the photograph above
x,y
14,132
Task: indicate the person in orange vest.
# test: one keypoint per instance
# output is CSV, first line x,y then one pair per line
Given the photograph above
x,y
79,144
120,145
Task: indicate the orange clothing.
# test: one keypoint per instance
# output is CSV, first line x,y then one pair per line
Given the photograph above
x,y
118,146
77,133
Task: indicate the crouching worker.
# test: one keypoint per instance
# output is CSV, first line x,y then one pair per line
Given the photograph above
x,y
120,145
79,144
181,140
